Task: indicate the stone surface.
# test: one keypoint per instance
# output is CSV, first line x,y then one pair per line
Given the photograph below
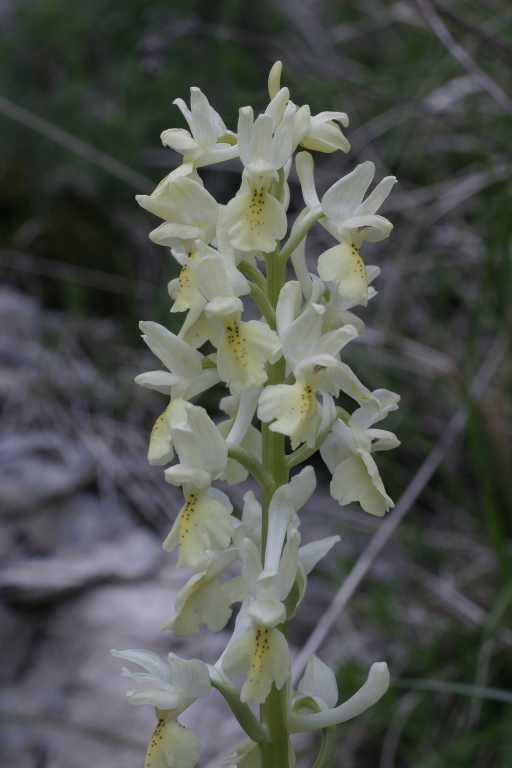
x,y
43,580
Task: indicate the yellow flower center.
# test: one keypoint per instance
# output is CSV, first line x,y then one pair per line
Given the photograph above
x,y
237,343
187,520
261,648
255,214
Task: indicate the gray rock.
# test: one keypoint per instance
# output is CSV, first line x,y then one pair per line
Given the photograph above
x,y
76,680
44,580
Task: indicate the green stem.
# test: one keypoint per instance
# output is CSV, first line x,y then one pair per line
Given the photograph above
x,y
254,274
300,231
253,466
274,711
325,757
267,310
241,711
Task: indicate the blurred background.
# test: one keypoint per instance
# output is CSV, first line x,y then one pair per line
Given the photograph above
x,y
85,91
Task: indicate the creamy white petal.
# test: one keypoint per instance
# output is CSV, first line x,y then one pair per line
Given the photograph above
x,y
248,401
160,450
204,118
311,554
179,474
371,228
358,479
245,127
243,351
201,601
277,106
221,152
343,265
332,342
384,402
373,689
288,305
182,201
338,446
376,198
174,353
164,700
160,381
159,668
289,563
170,231
295,410
188,295
260,148
283,136
300,339
199,443
298,259
305,169
206,379
319,681
262,653
251,512
242,625
284,504
382,440
274,79
217,275
301,125
297,492
255,220
244,754
323,135
267,613
174,684
173,746
350,384
178,139
204,522
343,197
251,442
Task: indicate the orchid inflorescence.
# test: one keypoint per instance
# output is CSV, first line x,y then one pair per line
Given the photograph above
x,y
275,368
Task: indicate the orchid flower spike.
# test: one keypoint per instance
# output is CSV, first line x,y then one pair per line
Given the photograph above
x,y
277,348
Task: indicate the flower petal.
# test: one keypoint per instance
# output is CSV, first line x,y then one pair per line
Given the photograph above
x,y
311,554
204,522
263,654
295,410
343,265
358,479
201,601
305,169
341,200
173,746
320,681
255,220
243,351
152,662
